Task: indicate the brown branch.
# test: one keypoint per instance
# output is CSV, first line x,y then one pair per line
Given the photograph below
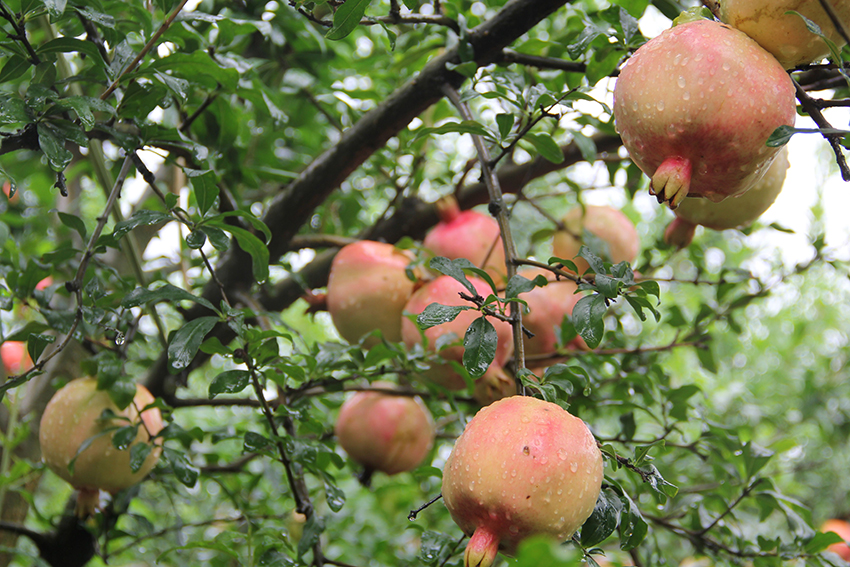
x,y
836,21
295,203
834,139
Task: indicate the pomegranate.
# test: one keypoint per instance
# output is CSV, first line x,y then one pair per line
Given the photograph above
x,y
785,35
494,385
522,467
695,107
467,234
385,432
73,417
616,238
734,212
367,290
15,357
842,528
445,290
547,307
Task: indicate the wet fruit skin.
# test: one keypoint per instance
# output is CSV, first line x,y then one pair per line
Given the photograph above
x,y
547,307
367,290
522,467
467,234
384,432
444,290
612,227
72,417
695,107
15,357
784,35
734,212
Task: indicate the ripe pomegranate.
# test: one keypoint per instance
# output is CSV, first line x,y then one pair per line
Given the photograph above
x,y
842,528
522,467
367,290
612,230
735,212
385,432
15,357
72,417
445,290
467,234
547,307
785,35
695,107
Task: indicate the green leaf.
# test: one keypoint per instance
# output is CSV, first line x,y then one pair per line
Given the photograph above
x,y
55,8
505,123
205,188
196,240
138,454
436,314
633,528
167,293
74,222
218,238
587,318
124,436
602,522
254,442
140,218
14,68
185,342
586,146
546,146
253,246
454,269
465,127
184,470
53,146
36,343
347,18
71,45
517,285
229,382
479,347
197,67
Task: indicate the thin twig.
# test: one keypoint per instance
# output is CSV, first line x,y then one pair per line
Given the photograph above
x,y
148,46
834,139
499,210
836,21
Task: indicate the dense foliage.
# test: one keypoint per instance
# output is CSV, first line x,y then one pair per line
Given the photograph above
x,y
177,178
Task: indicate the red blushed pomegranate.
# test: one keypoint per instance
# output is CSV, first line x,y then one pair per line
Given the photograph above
x,y
695,107
842,528
785,35
445,290
616,238
467,234
72,417
15,357
367,290
384,432
522,467
735,212
547,307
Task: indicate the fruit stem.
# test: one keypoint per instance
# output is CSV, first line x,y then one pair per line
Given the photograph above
x,y
679,233
671,181
88,500
482,548
447,208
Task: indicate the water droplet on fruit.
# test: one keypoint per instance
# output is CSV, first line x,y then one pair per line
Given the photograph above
x,y
681,81
660,105
562,454
686,95
574,466
726,66
514,530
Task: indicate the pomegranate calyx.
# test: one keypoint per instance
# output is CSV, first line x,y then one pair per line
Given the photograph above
x,y
671,181
482,548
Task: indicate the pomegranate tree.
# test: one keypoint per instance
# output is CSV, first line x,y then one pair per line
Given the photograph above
x,y
73,417
522,467
734,212
367,290
467,234
695,107
615,237
785,35
446,290
385,432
